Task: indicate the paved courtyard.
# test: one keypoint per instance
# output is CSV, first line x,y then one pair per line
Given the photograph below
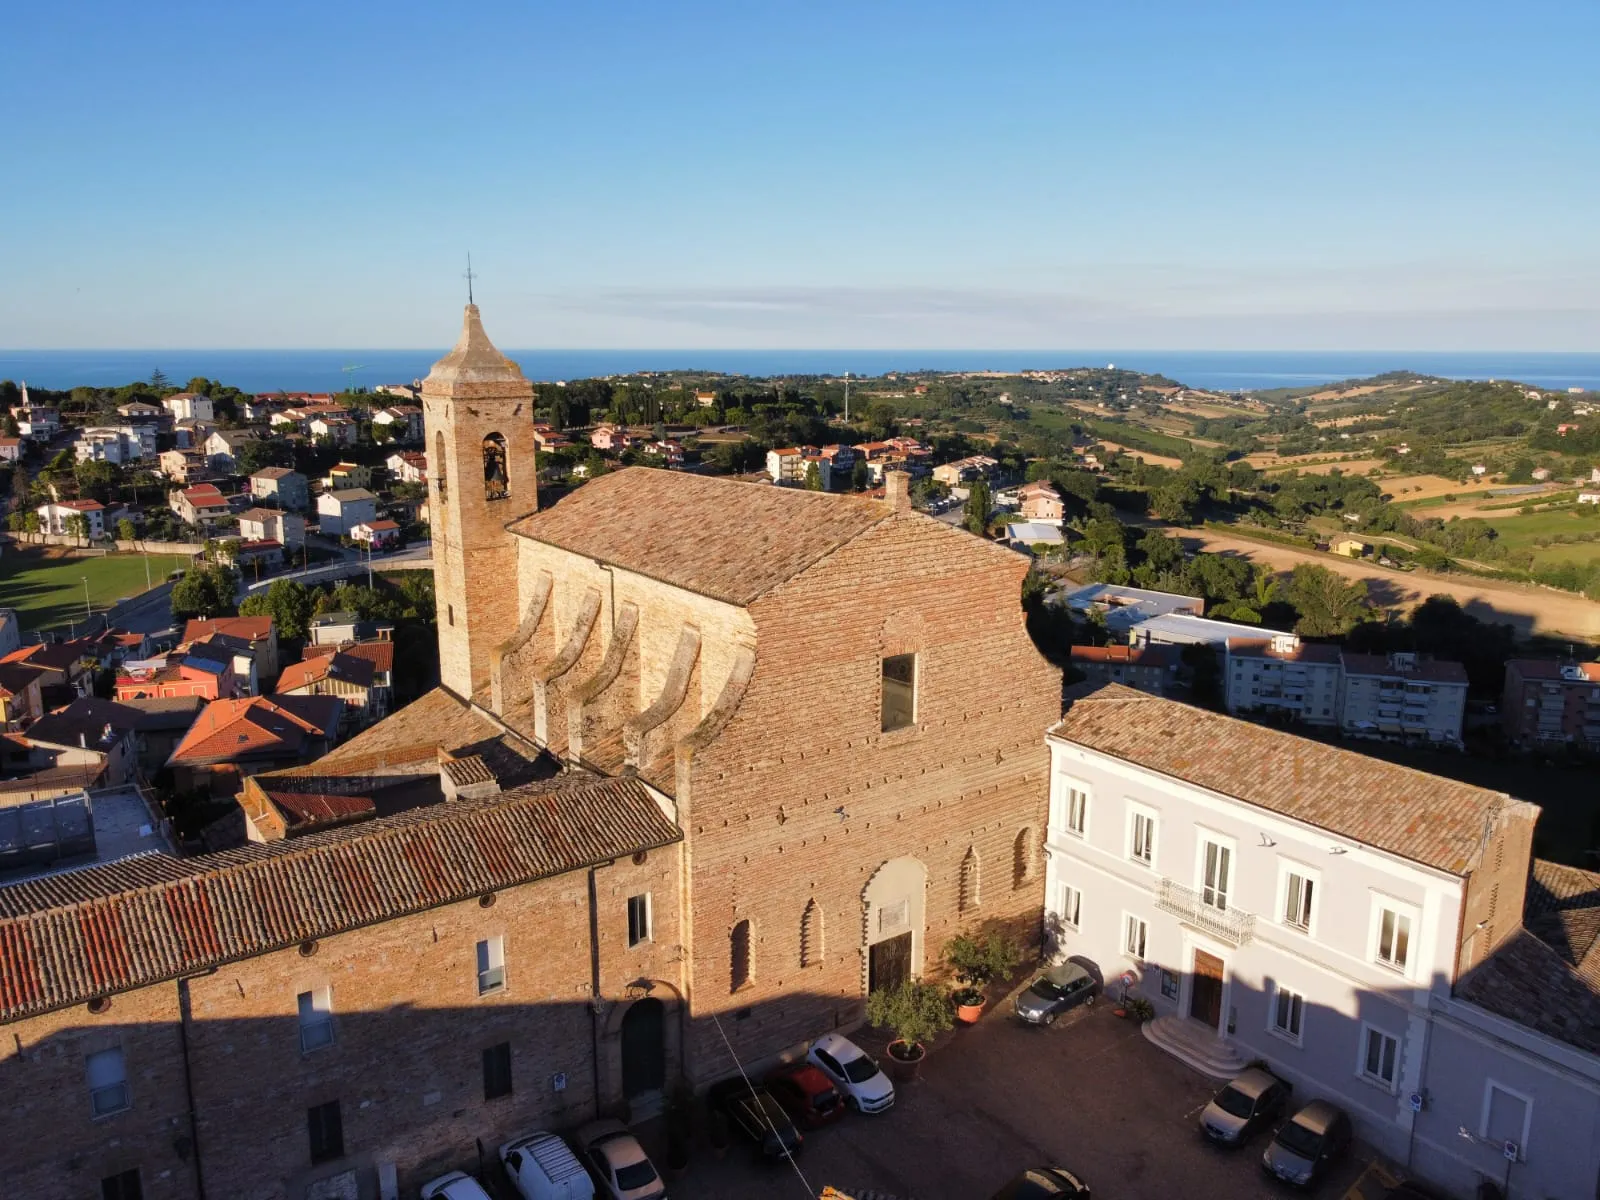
x,y
1089,1094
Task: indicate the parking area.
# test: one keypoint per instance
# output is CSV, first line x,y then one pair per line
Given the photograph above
x,y
1089,1094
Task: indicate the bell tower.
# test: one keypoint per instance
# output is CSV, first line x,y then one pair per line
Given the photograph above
x,y
478,412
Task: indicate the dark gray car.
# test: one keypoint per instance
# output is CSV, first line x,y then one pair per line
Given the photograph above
x,y
1059,989
1308,1142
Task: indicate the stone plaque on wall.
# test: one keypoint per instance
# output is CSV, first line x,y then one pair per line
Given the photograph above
x,y
891,916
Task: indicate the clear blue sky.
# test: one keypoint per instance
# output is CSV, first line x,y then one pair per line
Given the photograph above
x,y
772,174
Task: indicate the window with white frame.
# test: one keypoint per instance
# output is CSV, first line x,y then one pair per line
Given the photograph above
x,y
1142,836
108,1082
1075,818
491,965
1216,873
1299,889
1507,1116
1071,905
1393,945
1380,1057
1288,1013
316,1019
1133,937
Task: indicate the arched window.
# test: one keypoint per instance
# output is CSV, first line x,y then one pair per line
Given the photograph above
x,y
437,466
739,945
1023,856
810,935
967,894
496,483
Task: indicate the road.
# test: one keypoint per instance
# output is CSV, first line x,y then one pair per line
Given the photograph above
x,y
1526,608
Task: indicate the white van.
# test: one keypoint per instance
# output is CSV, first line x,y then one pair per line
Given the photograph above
x,y
543,1168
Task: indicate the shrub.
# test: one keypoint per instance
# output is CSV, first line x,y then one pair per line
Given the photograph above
x,y
976,961
915,1011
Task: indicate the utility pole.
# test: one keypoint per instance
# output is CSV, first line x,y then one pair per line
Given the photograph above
x,y
847,397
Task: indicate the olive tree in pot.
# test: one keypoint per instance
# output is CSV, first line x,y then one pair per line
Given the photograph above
x,y
913,1012
976,961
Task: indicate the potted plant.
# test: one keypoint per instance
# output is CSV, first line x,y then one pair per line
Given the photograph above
x,y
1138,1008
914,1012
976,961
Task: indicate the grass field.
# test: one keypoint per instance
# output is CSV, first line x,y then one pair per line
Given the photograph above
x,y
45,586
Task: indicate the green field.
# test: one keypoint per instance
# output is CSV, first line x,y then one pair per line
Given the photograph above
x,y
46,587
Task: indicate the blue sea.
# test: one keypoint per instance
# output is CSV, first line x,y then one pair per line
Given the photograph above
x,y
1227,370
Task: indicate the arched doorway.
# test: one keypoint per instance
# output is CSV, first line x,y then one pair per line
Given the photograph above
x,y
644,1048
893,902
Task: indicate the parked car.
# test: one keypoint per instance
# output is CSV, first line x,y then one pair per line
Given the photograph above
x,y
756,1113
1059,989
1039,1183
457,1185
542,1167
1307,1142
854,1072
806,1095
1254,1099
618,1161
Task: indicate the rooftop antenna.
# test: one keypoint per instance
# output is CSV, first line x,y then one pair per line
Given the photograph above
x,y
469,277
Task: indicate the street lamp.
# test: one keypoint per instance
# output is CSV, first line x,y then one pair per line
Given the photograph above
x,y
88,610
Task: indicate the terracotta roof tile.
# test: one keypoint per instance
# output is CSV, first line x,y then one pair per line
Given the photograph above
x,y
1438,822
379,653
721,538
254,725
70,937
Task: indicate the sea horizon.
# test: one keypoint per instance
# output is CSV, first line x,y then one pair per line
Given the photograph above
x,y
324,370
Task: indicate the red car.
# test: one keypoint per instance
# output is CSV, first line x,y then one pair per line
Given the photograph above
x,y
806,1094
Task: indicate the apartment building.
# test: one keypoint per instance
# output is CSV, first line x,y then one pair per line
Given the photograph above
x,y
282,487
56,516
1152,669
1403,694
1551,703
1356,924
1283,674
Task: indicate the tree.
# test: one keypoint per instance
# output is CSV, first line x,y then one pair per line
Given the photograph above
x,y
813,478
12,428
77,526
860,476
159,381
30,522
979,504
882,421
96,478
289,603
16,521
204,592
1328,606
126,531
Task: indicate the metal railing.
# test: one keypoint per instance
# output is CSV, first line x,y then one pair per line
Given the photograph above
x,y
1232,925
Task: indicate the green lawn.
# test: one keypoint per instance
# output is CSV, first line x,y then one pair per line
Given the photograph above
x,y
1519,530
46,588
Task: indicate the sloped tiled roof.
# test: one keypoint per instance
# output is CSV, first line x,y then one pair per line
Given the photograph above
x,y
1438,822
412,733
309,809
256,725
1527,981
379,653
67,938
721,538
248,628
345,668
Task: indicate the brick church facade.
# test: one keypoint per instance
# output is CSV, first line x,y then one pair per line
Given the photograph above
x,y
709,761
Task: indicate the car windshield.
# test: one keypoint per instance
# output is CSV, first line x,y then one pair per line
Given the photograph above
x,y
1050,991
635,1175
1297,1139
859,1070
774,1112
1234,1102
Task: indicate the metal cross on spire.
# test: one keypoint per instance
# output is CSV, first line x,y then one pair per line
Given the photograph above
x,y
469,277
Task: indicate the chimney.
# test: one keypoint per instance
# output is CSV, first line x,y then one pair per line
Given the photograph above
x,y
897,490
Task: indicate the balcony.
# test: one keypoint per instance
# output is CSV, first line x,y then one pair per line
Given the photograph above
x,y
1231,925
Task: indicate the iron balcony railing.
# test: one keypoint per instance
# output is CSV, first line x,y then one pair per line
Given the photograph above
x,y
1232,925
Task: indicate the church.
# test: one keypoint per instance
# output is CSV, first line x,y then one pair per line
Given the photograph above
x,y
709,761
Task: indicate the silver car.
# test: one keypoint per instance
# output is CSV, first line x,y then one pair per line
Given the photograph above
x,y
1254,1099
1308,1142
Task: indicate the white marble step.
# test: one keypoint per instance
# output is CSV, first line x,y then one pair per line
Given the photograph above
x,y
1195,1044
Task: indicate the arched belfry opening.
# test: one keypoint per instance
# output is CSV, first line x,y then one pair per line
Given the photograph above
x,y
496,478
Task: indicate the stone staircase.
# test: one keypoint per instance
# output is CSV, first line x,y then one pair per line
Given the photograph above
x,y
1195,1044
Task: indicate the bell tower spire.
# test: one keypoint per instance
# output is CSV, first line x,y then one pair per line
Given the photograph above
x,y
478,411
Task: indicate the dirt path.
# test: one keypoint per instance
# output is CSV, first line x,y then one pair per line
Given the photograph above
x,y
1155,460
1528,609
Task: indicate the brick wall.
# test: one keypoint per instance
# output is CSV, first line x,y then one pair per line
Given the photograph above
x,y
405,1065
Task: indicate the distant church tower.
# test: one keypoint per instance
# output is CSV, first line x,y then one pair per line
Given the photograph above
x,y
478,411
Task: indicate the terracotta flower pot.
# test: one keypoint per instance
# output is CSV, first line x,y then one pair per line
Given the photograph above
x,y
968,1014
903,1070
